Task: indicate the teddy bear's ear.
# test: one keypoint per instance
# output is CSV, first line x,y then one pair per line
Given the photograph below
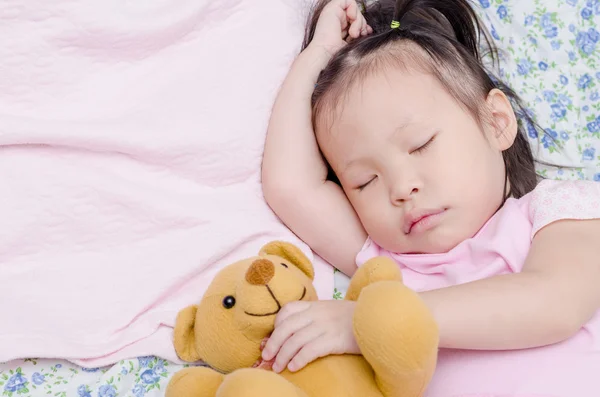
x,y
184,336
291,253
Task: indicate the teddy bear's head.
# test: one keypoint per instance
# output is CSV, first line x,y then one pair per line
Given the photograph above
x,y
238,309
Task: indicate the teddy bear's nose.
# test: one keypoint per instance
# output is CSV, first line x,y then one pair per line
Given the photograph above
x,y
261,271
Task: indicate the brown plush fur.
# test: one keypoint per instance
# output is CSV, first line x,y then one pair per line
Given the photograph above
x,y
394,329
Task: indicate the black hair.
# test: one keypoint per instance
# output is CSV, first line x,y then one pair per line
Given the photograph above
x,y
444,36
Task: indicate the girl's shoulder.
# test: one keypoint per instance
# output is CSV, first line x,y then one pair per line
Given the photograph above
x,y
553,200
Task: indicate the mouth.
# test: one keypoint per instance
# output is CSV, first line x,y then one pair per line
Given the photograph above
x,y
421,219
277,302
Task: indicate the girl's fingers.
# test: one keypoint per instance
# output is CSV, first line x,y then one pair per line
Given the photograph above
x,y
352,13
319,347
293,345
283,331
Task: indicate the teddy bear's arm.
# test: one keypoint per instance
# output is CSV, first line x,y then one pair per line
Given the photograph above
x,y
376,269
398,336
194,382
252,382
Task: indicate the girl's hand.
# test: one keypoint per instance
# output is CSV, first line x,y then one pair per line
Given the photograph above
x,y
305,331
340,22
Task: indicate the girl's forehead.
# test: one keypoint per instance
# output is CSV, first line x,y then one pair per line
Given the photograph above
x,y
394,97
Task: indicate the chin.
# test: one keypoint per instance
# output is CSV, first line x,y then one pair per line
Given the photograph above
x,y
435,243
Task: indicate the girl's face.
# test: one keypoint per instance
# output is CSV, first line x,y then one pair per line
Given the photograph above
x,y
420,172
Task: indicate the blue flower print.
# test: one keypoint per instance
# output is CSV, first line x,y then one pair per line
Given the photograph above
x,y
138,390
533,41
549,137
160,367
543,65
495,34
589,154
529,20
502,13
565,100
591,3
564,80
549,96
551,32
144,361
558,110
555,45
597,177
585,108
149,377
531,131
586,41
107,391
551,133
523,66
572,28
485,3
594,96
58,366
546,20
597,9
593,127
564,136
584,81
586,13
90,369
38,378
598,75
124,371
82,391
572,2
572,56
15,383
547,141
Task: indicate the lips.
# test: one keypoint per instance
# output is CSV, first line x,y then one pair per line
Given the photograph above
x,y
415,216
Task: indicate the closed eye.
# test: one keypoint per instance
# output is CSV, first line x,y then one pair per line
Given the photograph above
x,y
364,185
424,147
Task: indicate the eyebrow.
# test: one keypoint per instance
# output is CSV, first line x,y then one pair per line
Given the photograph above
x,y
402,126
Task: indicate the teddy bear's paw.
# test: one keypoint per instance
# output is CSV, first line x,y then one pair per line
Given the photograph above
x,y
398,336
253,382
194,382
380,268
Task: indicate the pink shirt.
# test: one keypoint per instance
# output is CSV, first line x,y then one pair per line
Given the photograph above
x,y
567,369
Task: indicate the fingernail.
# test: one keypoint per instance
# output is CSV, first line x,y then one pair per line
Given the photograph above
x,y
292,367
266,355
276,368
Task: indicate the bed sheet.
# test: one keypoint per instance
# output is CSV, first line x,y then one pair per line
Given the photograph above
x,y
550,57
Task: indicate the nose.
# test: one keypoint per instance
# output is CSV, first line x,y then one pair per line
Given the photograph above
x,y
402,191
261,271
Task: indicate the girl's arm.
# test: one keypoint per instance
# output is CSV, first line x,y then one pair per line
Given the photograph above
x,y
550,300
293,172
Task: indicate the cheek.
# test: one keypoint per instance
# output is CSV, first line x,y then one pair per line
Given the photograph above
x,y
372,209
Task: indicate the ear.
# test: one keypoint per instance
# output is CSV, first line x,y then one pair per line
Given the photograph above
x,y
291,253
504,126
184,336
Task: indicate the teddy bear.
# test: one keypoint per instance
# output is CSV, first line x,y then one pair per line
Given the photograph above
x,y
396,333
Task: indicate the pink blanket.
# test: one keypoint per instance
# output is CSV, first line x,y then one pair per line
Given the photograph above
x,y
131,136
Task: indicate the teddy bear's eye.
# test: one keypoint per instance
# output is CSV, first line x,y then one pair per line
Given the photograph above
x,y
284,265
228,302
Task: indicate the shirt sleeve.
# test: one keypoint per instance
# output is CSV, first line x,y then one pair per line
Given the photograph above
x,y
553,201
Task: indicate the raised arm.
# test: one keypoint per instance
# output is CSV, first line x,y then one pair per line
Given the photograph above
x,y
293,172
